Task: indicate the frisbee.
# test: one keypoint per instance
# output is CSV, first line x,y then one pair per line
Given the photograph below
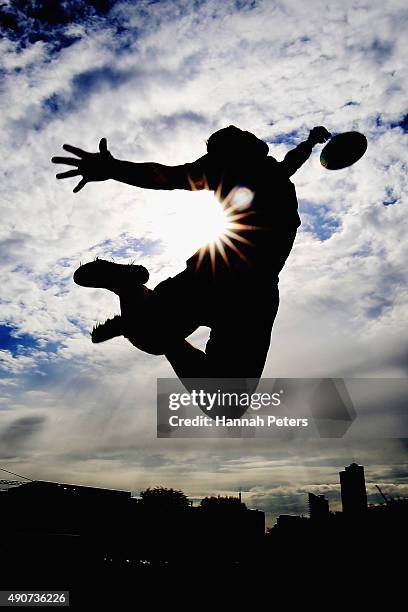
x,y
343,150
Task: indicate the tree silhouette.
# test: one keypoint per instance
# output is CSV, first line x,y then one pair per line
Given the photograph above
x,y
160,498
220,502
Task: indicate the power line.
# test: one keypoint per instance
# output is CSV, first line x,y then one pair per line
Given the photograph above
x,y
14,474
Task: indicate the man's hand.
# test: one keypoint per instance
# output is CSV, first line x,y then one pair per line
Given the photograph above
x,y
318,134
92,166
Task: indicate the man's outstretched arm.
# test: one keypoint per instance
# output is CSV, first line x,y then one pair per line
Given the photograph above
x,y
149,175
297,157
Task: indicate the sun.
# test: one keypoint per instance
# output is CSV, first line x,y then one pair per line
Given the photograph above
x,y
211,220
205,222
226,224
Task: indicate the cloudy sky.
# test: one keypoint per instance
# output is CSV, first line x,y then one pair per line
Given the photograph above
x,y
156,79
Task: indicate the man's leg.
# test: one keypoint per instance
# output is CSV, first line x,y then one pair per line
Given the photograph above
x,y
150,319
235,353
159,319
119,278
158,322
227,366
104,274
231,364
187,361
238,343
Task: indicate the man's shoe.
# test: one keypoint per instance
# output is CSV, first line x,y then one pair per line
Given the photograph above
x,y
109,275
108,330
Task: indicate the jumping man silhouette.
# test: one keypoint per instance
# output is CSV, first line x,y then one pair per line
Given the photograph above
x,y
231,285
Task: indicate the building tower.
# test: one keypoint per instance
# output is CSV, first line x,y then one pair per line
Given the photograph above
x,y
318,507
353,490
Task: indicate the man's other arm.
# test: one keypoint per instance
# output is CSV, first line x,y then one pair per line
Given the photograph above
x,y
295,158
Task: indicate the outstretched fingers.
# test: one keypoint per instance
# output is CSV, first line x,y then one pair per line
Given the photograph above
x,y
69,161
68,174
103,145
80,185
74,150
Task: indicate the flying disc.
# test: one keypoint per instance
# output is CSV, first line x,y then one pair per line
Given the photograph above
x,y
343,150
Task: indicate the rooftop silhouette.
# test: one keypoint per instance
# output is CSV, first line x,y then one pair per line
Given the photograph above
x,y
63,530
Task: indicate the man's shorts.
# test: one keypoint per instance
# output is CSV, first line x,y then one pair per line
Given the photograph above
x,y
240,313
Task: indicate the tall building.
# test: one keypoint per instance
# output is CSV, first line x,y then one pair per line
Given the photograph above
x,y
353,490
318,507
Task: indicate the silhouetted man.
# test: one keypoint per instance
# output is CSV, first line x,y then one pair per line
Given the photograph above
x,y
231,285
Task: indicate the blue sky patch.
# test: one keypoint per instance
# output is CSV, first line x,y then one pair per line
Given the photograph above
x,y
291,138
126,246
42,20
245,5
16,344
402,123
21,344
374,312
318,220
390,197
83,86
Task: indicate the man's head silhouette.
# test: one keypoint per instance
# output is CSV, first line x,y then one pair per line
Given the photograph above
x,y
233,143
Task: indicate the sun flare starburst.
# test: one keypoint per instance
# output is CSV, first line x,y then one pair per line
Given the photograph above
x,y
229,214
212,227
